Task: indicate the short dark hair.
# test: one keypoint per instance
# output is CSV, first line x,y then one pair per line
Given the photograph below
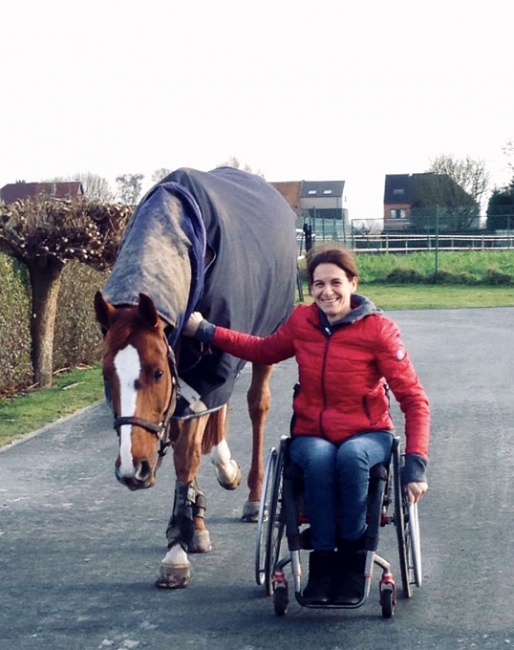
x,y
331,253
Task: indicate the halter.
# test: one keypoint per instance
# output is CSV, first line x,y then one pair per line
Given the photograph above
x,y
160,430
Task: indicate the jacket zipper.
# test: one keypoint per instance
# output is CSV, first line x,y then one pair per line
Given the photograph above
x,y
328,334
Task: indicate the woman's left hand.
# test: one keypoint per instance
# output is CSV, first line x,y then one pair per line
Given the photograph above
x,y
192,324
415,491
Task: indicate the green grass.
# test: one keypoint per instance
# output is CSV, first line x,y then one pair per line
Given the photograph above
x,y
466,267
33,409
422,296
78,388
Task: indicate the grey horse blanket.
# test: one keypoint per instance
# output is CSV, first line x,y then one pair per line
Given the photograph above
x,y
249,285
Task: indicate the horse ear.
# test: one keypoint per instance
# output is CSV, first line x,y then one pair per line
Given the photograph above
x,y
147,310
103,311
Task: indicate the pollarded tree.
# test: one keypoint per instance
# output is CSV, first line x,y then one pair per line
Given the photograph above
x,y
44,234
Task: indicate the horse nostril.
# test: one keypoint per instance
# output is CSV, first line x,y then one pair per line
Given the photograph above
x,y
143,471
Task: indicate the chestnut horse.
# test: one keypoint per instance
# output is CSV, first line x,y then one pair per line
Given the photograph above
x,y
223,243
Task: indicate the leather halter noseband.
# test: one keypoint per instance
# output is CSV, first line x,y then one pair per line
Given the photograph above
x,y
160,430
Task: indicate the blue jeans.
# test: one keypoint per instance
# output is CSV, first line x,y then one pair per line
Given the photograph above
x,y
336,478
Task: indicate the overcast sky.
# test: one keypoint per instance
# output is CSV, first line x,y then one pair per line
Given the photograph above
x,y
321,90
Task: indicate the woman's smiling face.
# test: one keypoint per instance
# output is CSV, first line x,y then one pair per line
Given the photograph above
x,y
332,291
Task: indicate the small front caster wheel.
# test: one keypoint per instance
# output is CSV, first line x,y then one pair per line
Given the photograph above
x,y
280,599
386,600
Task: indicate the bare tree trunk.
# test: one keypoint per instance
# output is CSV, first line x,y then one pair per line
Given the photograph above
x,y
45,279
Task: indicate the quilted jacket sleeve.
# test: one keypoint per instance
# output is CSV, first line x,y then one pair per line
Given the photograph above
x,y
268,350
398,370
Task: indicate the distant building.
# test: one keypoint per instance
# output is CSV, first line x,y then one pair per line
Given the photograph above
x,y
408,197
317,199
324,199
291,192
21,190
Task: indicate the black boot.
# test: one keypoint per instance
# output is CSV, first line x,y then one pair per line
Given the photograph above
x,y
349,582
319,585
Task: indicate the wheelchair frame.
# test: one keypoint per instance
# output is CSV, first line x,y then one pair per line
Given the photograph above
x,y
281,524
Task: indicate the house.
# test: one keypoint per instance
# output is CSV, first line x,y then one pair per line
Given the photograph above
x,y
410,202
324,200
291,192
21,190
316,199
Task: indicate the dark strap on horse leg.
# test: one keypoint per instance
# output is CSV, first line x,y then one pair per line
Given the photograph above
x,y
181,526
200,504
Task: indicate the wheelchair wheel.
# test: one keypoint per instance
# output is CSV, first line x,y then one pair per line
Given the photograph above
x,y
415,544
407,531
264,508
280,600
387,603
275,523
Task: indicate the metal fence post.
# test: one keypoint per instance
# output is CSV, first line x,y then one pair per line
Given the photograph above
x,y
436,243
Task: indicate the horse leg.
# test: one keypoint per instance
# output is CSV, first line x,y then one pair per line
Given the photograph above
x,y
259,400
186,531
227,470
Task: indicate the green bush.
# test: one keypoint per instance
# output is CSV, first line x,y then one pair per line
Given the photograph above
x,y
16,367
77,338
495,277
404,276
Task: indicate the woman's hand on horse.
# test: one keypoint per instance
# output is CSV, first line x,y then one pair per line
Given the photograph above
x,y
416,490
192,324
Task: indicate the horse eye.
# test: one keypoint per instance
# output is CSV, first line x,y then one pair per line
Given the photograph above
x,y
158,374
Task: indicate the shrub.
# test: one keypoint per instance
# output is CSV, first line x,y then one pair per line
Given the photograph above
x,y
401,275
495,277
16,366
77,338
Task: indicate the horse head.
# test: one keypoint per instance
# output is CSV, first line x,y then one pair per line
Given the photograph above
x,y
140,377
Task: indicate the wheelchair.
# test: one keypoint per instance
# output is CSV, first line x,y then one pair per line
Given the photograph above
x,y
283,532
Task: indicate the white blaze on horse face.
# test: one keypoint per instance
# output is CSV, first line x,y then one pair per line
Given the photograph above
x,y
128,369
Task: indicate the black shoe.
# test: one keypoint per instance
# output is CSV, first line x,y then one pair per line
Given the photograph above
x,y
319,586
349,589
349,581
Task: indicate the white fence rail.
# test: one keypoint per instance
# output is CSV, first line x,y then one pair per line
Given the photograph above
x,y
397,243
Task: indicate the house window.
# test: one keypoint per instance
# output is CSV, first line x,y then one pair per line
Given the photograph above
x,y
397,213
327,191
399,192
311,192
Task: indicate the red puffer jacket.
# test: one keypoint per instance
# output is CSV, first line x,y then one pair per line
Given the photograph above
x,y
343,370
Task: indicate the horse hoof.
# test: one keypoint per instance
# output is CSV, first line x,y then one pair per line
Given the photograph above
x,y
201,542
173,576
236,480
251,512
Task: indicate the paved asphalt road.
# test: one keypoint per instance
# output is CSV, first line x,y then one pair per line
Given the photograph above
x,y
79,553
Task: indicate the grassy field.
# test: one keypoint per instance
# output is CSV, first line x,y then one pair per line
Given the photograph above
x,y
77,388
422,296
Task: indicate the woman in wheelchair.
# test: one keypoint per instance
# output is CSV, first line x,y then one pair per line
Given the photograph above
x,y
348,354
